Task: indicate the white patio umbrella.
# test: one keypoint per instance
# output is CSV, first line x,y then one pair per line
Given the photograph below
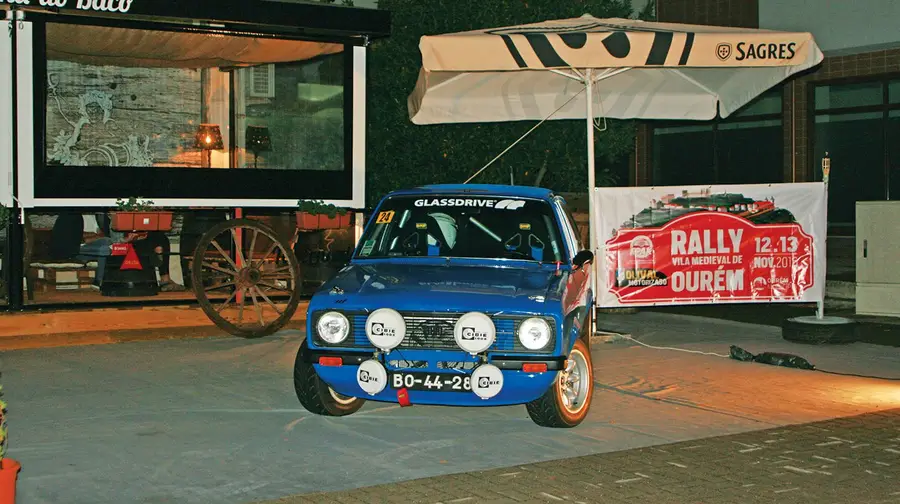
x,y
631,69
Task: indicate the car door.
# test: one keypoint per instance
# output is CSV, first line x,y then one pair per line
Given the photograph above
x,y
577,293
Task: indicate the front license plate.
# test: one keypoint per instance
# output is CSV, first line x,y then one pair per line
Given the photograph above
x,y
432,382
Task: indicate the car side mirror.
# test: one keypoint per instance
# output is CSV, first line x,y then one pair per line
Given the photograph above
x,y
582,257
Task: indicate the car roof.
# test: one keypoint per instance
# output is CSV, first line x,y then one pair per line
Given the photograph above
x,y
508,191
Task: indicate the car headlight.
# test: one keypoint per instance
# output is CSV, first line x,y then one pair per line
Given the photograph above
x,y
534,333
333,327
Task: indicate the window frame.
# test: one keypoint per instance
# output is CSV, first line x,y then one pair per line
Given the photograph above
x,y
714,124
181,187
885,108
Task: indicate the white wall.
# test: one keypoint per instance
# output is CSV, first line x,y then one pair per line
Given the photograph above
x,y
839,26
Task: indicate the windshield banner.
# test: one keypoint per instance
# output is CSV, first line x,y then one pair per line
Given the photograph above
x,y
711,244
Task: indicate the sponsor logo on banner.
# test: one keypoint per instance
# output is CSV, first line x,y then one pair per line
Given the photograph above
x,y
506,204
712,246
723,51
757,52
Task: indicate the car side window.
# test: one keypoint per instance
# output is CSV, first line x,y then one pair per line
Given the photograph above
x,y
571,224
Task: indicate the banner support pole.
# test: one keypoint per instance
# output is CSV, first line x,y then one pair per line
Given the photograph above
x,y
592,238
826,171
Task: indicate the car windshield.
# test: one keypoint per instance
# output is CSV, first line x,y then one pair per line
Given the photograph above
x,y
463,226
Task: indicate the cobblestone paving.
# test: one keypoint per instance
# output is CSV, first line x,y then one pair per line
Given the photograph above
x,y
842,461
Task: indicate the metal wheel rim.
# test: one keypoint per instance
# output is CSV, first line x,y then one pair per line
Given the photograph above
x,y
251,281
340,398
573,382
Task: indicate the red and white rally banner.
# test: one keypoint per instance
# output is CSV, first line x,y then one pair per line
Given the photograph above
x,y
711,244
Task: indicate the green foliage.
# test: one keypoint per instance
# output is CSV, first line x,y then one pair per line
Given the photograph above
x,y
318,207
4,216
401,154
134,204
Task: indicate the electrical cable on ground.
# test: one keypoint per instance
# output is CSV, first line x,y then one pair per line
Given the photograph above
x,y
625,336
630,338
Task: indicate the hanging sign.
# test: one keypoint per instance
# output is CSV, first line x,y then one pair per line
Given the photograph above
x,y
692,245
121,6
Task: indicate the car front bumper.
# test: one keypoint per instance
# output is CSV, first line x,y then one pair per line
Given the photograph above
x,y
519,386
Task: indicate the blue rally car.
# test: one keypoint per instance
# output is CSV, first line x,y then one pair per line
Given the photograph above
x,y
458,295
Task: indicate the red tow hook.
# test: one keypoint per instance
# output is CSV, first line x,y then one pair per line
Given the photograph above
x,y
403,397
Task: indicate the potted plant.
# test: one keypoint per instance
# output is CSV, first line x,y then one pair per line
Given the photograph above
x,y
135,214
9,468
315,214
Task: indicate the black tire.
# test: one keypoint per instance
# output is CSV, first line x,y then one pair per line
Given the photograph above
x,y
283,250
315,395
828,330
549,410
587,330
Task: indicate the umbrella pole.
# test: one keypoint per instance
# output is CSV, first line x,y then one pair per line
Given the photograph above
x,y
592,238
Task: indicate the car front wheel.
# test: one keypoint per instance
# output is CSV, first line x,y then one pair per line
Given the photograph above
x,y
315,395
567,401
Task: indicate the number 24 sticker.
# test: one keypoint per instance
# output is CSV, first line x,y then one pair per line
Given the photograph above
x,y
385,217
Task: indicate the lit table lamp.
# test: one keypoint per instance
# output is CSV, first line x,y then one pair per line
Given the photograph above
x,y
208,137
258,140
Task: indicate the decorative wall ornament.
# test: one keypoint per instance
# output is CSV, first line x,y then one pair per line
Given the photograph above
x,y
136,150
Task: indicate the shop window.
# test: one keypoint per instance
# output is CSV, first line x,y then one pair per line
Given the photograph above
x,y
750,152
855,144
164,100
894,92
746,148
858,125
893,143
191,115
849,95
291,115
682,155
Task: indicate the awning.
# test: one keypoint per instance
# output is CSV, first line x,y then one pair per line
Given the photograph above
x,y
101,45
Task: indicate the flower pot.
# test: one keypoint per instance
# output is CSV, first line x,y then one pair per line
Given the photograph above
x,y
141,221
9,471
308,221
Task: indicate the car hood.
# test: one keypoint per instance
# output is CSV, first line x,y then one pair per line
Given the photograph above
x,y
438,287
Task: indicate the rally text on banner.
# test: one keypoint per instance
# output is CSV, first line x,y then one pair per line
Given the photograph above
x,y
711,244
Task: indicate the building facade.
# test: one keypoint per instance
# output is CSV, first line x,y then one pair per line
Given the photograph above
x,y
848,107
211,109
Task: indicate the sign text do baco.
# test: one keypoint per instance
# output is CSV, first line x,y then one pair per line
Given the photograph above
x,y
88,5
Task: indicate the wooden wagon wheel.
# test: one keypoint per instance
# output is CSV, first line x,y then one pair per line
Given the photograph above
x,y
246,278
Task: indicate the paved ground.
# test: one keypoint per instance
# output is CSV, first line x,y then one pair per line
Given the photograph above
x,y
215,420
853,459
875,330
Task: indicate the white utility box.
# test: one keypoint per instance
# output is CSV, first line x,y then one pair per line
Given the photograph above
x,y
878,258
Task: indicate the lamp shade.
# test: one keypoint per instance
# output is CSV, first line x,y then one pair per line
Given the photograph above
x,y
208,137
258,139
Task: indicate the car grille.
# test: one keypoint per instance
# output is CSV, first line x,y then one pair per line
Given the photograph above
x,y
435,331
